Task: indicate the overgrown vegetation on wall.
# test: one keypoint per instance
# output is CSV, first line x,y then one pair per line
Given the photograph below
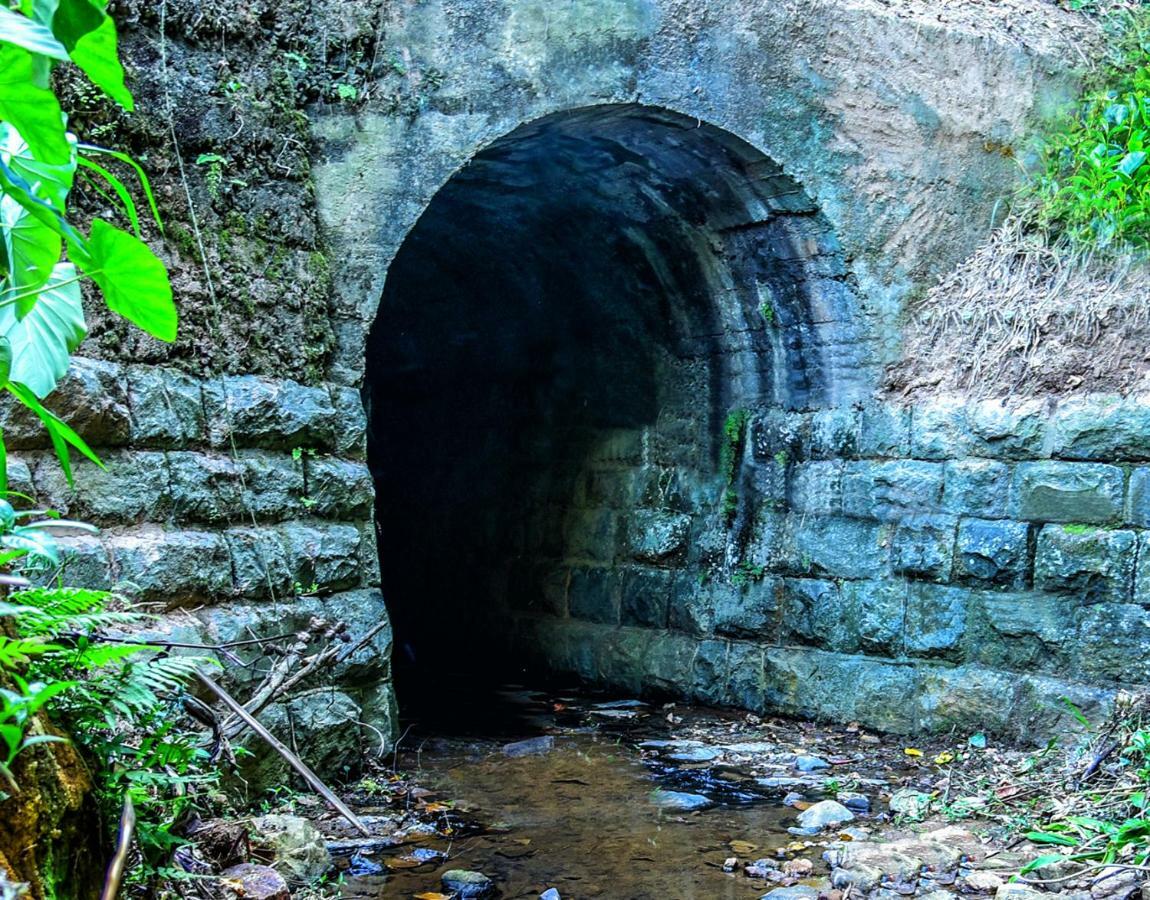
x,y
223,131
1055,300
1094,188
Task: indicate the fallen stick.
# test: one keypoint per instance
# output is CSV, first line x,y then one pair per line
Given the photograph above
x,y
116,868
294,761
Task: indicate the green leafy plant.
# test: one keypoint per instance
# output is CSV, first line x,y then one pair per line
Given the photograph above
x,y
43,256
63,650
734,436
1094,188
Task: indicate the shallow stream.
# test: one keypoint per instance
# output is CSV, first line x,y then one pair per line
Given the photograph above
x,y
572,793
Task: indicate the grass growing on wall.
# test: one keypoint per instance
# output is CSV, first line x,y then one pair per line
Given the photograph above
x,y
1094,186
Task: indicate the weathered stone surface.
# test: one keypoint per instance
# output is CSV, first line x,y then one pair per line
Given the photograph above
x,y
326,555
746,676
591,535
939,430
935,619
646,597
814,613
976,487
775,435
884,431
20,475
873,611
657,536
1142,570
1095,564
845,687
833,434
1113,643
746,608
321,724
1020,631
205,487
273,486
1105,429
710,671
593,595
167,408
84,562
267,412
692,607
337,488
835,546
91,398
176,567
966,696
816,487
133,487
1138,498
1067,492
350,425
891,490
923,547
260,564
991,552
1010,430
299,852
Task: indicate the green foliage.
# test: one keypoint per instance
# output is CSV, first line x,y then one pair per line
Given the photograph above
x,y
1123,836
43,257
745,573
1094,189
58,650
114,696
734,436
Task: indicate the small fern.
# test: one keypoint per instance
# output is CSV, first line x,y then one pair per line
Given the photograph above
x,y
117,697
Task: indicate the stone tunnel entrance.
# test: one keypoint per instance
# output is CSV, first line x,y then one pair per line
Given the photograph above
x,y
569,344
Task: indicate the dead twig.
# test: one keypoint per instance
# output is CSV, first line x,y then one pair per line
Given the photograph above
x,y
294,761
115,874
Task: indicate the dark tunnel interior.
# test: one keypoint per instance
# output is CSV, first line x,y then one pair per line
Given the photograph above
x,y
572,316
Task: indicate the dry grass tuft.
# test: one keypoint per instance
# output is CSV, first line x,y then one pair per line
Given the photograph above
x,y
1024,317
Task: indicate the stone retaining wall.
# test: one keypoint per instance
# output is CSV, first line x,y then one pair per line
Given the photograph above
x,y
921,567
220,502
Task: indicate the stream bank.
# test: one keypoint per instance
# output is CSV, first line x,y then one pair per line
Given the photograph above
x,y
595,796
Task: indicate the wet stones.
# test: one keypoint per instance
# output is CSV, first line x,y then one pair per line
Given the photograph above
x,y
824,814
299,852
1067,492
794,892
679,801
253,882
535,746
467,885
810,763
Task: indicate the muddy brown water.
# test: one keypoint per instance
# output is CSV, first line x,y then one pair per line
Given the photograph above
x,y
581,816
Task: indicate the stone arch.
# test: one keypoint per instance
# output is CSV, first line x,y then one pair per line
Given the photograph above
x,y
560,376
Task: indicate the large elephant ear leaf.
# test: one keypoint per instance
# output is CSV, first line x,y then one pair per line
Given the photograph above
x,y
133,280
43,340
89,36
5,360
30,109
32,246
32,36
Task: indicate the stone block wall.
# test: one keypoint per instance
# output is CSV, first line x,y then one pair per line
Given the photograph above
x,y
222,500
944,564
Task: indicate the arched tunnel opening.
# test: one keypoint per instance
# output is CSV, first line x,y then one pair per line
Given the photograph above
x,y
567,348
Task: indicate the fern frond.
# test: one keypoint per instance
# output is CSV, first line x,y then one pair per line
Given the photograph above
x,y
18,652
